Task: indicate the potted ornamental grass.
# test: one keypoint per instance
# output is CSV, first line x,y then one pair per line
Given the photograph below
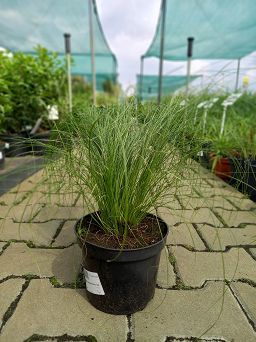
x,y
123,169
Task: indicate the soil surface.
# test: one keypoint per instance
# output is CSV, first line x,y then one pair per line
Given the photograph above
x,y
146,233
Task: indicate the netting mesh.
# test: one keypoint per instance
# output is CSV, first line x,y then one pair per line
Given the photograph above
x,y
147,85
222,29
27,23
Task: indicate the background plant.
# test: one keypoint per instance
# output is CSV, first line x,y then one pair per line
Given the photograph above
x,y
30,83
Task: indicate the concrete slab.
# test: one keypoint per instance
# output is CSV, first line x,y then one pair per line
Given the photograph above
x,y
184,314
253,251
202,215
18,260
20,213
67,235
243,203
9,290
236,218
9,199
63,200
197,267
246,294
2,244
227,192
166,275
220,238
38,233
49,311
60,213
185,234
214,202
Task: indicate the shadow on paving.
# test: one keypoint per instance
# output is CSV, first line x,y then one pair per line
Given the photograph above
x,y
18,169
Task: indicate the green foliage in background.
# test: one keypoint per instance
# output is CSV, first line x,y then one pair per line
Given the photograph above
x,y
29,84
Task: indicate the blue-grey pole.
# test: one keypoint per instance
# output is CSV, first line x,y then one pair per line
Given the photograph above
x,y
91,33
141,78
161,57
189,57
67,38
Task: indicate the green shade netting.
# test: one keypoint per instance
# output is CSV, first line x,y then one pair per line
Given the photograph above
x,y
222,29
100,79
27,23
149,85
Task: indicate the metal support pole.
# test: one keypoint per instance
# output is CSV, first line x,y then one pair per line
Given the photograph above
x,y
205,119
189,56
237,74
92,51
223,120
161,57
141,78
67,37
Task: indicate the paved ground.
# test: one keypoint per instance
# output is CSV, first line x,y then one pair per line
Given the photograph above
x,y
206,287
17,169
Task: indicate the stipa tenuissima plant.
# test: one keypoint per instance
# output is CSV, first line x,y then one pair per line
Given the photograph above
x,y
121,165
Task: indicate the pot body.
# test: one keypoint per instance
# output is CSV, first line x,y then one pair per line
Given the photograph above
x,y
121,282
17,145
39,142
2,155
244,176
222,168
250,168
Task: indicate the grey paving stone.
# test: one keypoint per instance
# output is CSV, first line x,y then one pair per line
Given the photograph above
x,y
185,234
25,186
38,233
49,311
220,238
191,313
246,295
197,267
67,235
62,199
227,192
253,251
235,218
60,213
243,203
166,275
9,290
2,244
18,259
10,199
171,202
186,191
213,202
20,212
202,215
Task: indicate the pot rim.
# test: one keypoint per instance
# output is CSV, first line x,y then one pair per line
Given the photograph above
x,y
164,236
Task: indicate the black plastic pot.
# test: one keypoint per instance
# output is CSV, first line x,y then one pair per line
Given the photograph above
x,y
16,144
249,186
238,171
2,155
125,279
39,142
244,176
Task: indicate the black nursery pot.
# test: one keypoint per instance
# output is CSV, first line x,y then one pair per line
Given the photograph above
x,y
244,176
121,282
39,142
250,178
2,155
16,144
